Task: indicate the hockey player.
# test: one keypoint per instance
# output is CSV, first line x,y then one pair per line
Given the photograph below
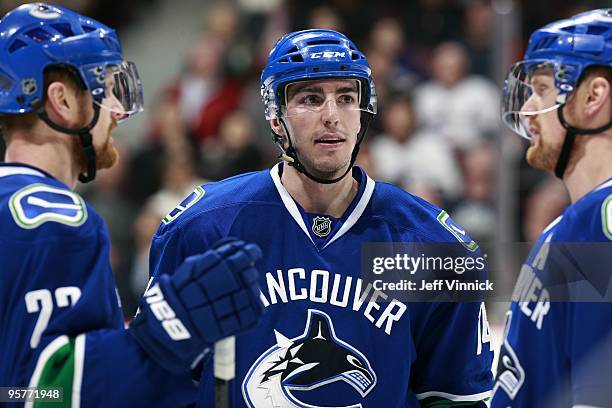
x,y
64,86
328,338
557,350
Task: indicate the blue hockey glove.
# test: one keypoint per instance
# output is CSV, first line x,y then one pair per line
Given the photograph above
x,y
209,297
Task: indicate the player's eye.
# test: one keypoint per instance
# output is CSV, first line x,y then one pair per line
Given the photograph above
x,y
311,100
346,99
541,89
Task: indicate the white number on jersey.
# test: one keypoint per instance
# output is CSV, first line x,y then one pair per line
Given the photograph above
x,y
41,301
484,334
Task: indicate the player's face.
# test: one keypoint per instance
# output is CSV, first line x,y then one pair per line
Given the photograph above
x,y
323,119
545,129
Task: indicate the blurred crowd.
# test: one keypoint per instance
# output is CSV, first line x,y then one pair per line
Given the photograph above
x,y
437,132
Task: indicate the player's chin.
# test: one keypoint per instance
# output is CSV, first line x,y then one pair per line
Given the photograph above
x,y
107,157
537,158
532,156
331,169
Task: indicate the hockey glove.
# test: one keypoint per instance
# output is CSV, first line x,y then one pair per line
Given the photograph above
x,y
209,297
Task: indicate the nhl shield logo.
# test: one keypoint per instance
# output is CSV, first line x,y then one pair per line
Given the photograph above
x,y
321,226
28,86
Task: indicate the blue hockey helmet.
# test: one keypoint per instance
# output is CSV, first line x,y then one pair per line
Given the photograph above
x,y
38,35
314,54
562,51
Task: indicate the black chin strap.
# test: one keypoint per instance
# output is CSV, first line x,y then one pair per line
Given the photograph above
x,y
570,138
85,137
290,155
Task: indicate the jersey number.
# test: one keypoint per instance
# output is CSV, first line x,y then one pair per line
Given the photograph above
x,y
41,301
484,334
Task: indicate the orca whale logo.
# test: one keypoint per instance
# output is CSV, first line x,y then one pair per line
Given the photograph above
x,y
309,361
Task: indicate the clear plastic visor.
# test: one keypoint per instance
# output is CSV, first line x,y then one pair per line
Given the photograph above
x,y
123,94
529,90
309,97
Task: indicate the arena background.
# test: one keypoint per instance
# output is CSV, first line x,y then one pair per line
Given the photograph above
x,y
438,66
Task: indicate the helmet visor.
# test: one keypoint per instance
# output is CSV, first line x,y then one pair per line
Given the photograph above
x,y
123,90
311,97
529,90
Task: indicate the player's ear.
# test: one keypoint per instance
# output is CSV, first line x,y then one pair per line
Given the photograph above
x,y
277,127
598,96
62,104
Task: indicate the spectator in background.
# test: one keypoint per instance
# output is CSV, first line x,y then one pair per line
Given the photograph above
x,y
203,93
546,202
461,108
235,152
224,20
476,209
167,137
428,23
179,178
419,161
206,92
391,65
325,17
110,200
478,36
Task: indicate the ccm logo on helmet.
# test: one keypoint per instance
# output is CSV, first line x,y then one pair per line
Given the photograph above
x,y
327,54
164,313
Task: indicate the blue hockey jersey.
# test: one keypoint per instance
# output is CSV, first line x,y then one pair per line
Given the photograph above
x,y
557,349
327,338
60,319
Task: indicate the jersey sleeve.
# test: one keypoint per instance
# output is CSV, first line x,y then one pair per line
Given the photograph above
x,y
63,322
590,353
187,234
453,356
586,268
108,368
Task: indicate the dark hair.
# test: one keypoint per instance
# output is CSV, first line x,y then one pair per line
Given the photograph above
x,y
597,70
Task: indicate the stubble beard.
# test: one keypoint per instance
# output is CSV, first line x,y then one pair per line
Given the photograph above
x,y
543,155
106,156
325,169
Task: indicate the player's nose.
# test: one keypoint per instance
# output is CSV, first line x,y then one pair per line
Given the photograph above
x,y
530,104
330,112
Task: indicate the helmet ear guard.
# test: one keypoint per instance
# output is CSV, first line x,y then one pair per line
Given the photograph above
x,y
314,55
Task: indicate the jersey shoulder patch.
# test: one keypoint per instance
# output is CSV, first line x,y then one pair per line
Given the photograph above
x,y
451,226
195,196
39,203
606,217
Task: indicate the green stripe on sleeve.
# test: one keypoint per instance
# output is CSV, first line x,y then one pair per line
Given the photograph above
x,y
60,365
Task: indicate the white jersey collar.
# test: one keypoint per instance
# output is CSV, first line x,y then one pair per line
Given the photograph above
x,y
17,170
291,206
606,184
